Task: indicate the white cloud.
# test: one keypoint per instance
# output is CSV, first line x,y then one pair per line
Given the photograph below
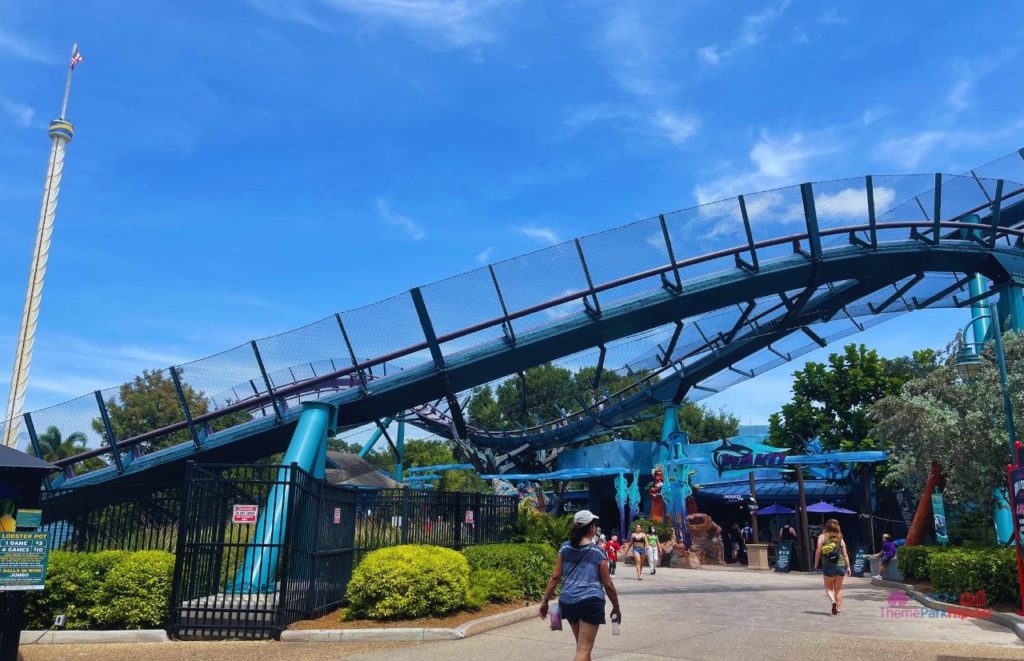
x,y
910,151
752,31
709,54
873,114
660,122
776,162
412,231
959,96
452,23
484,255
833,17
19,47
852,203
24,116
540,234
677,128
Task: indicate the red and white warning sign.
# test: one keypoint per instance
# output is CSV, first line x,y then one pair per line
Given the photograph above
x,y
469,516
337,515
245,513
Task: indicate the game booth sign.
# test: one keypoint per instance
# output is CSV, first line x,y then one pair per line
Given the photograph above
x,y
23,549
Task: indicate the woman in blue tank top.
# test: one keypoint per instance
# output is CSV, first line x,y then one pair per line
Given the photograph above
x,y
583,569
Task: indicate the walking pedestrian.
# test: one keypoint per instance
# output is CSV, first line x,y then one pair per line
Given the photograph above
x,y
652,549
638,547
612,548
834,561
583,570
734,543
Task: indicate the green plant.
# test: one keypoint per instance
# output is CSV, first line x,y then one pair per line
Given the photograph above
x,y
533,527
993,570
663,530
406,582
491,585
530,564
136,593
105,590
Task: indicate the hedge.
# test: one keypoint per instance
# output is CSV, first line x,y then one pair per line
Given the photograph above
x,y
104,590
913,560
491,586
406,582
960,570
530,564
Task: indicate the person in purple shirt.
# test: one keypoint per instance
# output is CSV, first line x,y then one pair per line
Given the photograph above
x,y
886,555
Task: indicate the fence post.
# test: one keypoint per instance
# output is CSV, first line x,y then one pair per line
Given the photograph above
x,y
477,518
179,550
405,515
458,520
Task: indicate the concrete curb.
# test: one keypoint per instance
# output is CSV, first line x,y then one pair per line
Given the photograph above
x,y
394,635
38,637
1014,623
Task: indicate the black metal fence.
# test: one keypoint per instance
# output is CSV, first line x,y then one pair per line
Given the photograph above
x,y
264,546
137,518
261,546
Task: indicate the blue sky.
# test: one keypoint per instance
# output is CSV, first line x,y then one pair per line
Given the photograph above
x,y
243,167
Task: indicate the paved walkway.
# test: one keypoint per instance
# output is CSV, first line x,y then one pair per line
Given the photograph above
x,y
739,614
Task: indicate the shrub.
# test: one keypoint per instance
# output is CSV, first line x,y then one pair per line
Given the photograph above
x,y
533,527
73,583
913,561
107,589
530,564
136,593
406,582
491,586
993,570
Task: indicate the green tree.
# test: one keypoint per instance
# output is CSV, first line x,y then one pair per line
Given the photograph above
x,y
832,400
54,446
703,424
149,402
959,424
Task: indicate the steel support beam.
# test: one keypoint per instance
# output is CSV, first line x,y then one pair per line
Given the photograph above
x,y
435,352
506,323
752,265
184,407
677,286
108,430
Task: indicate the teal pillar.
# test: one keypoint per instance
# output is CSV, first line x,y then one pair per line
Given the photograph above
x,y
308,451
670,423
401,449
977,286
1011,308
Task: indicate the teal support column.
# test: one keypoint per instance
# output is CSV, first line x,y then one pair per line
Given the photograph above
x,y
1011,308
307,450
400,446
373,439
670,423
977,285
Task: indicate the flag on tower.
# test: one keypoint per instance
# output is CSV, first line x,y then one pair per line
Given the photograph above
x,y
76,58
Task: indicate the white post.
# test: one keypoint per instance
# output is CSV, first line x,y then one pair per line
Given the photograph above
x,y
61,132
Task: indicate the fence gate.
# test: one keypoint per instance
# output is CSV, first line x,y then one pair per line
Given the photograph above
x,y
258,548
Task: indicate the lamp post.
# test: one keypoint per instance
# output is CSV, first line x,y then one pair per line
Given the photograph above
x,y
968,366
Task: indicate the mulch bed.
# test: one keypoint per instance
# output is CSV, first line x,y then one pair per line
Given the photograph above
x,y
333,619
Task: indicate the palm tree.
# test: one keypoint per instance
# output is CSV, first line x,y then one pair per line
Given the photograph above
x,y
54,446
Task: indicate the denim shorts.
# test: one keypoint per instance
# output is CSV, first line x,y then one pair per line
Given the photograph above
x,y
833,570
589,610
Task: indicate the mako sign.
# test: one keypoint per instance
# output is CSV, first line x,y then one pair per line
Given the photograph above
x,y
731,457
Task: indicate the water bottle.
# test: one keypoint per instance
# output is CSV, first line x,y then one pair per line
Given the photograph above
x,y
615,625
556,618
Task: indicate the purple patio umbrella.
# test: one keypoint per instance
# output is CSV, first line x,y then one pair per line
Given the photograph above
x,y
775,509
824,508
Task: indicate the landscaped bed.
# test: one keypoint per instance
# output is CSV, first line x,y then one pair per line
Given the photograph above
x,y
333,620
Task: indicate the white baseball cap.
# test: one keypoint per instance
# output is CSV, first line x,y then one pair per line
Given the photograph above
x,y
584,517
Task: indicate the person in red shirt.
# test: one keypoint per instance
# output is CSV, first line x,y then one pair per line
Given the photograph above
x,y
612,548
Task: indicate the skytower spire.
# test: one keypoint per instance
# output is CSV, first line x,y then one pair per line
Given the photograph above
x,y
61,131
